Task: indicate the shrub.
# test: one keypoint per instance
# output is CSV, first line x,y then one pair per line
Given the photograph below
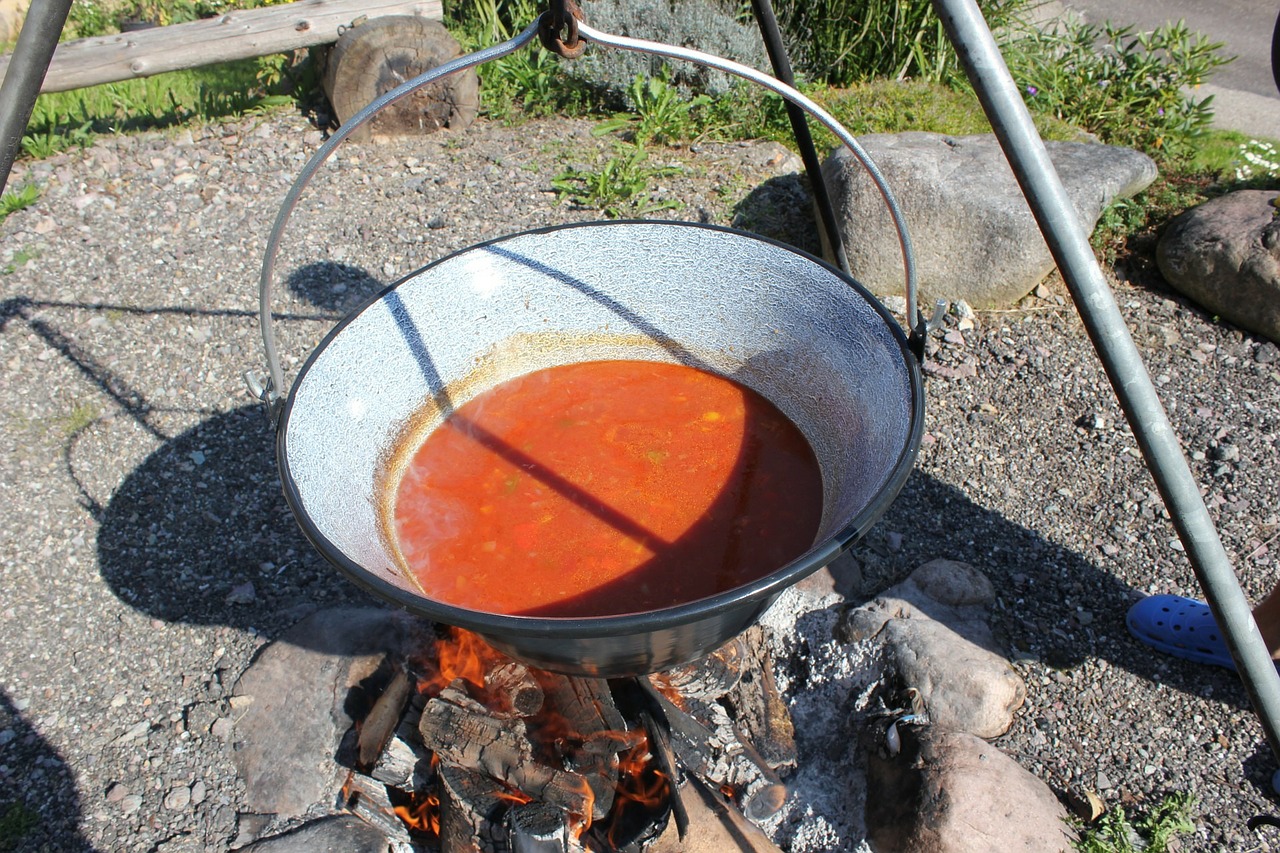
x,y
1134,89
702,24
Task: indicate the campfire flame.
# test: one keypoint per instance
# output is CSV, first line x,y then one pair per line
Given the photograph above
x,y
459,654
642,787
421,813
460,660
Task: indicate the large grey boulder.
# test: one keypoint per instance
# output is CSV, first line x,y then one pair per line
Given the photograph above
x,y
950,792
973,233
1225,256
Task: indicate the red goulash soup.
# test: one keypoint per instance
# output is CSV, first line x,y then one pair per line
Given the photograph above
x,y
605,487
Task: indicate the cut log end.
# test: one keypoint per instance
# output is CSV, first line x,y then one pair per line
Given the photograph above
x,y
373,58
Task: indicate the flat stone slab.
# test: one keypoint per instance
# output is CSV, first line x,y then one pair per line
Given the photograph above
x,y
292,705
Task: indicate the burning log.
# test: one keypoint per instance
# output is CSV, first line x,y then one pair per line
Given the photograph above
x,y
539,828
513,688
588,730
472,809
502,750
382,719
369,802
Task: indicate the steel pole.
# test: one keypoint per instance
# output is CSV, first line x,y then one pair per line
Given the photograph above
x,y
1070,247
828,224
27,67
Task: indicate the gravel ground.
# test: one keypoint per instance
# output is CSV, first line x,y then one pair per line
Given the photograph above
x,y
148,553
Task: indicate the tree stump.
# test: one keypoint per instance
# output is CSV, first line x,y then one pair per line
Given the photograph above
x,y
373,58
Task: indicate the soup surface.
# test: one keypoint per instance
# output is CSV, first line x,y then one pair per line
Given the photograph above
x,y
605,487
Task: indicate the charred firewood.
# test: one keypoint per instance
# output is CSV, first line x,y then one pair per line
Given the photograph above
x,y
513,690
403,764
761,713
715,826
539,828
586,730
723,759
660,744
472,812
710,677
382,719
368,800
501,749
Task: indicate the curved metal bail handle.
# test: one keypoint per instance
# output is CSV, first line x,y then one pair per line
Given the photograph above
x,y
918,326
271,390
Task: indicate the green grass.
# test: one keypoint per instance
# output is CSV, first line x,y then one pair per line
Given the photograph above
x,y
64,120
16,821
15,200
78,419
1117,832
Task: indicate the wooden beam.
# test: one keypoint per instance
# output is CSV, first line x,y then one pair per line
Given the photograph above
x,y
235,35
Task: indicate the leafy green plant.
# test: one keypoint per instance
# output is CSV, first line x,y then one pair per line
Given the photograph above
x,y
1134,89
620,186
15,200
88,18
662,113
485,22
1125,221
1116,832
532,83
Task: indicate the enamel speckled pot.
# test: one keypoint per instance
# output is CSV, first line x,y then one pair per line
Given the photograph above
x,y
798,331
787,325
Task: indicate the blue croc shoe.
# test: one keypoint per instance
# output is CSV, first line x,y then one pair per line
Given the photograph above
x,y
1182,627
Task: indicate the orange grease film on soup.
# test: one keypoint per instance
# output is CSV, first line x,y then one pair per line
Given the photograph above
x,y
605,487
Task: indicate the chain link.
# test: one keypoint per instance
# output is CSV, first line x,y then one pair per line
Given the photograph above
x,y
558,29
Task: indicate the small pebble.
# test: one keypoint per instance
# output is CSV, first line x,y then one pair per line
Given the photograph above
x,y
178,798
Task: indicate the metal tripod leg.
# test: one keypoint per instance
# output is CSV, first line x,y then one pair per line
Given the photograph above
x,y
26,72
1102,319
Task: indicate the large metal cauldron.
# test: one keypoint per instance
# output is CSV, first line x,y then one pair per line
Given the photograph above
x,y
789,326
800,332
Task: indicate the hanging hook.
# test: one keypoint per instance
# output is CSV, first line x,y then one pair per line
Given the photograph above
x,y
558,29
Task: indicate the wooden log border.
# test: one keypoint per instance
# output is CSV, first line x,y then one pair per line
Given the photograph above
x,y
235,35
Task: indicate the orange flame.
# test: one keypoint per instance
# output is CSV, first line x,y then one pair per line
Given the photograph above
x,y
459,654
421,813
641,785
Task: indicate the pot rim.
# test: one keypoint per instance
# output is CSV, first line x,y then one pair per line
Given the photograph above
x,y
759,592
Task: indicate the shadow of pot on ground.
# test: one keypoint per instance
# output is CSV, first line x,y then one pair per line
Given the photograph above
x,y
199,533
39,807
